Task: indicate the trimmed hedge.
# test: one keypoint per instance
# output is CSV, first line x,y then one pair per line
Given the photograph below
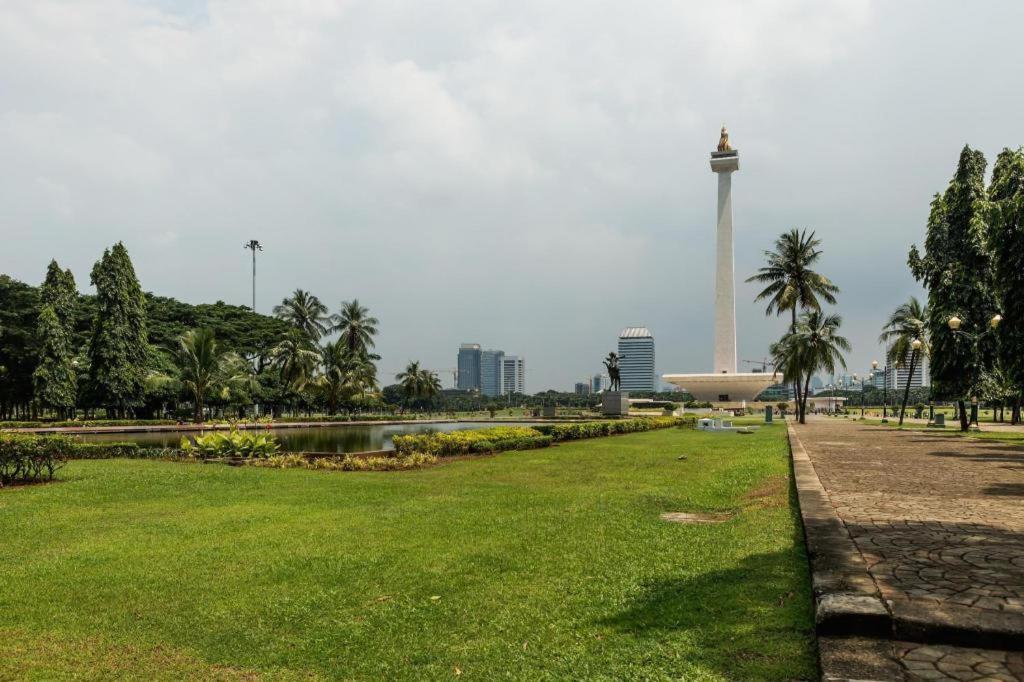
x,y
563,432
86,423
524,438
347,463
26,458
467,442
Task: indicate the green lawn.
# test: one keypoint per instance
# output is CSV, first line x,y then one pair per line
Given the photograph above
x,y
544,564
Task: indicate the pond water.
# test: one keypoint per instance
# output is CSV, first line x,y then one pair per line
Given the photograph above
x,y
336,438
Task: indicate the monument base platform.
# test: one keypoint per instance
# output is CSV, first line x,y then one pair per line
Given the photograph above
x,y
615,403
723,388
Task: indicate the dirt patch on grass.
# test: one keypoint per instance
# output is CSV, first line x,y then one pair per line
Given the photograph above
x,y
687,517
770,494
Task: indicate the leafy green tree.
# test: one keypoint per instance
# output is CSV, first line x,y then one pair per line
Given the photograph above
x,y
19,313
205,368
60,293
905,329
1005,213
119,348
417,383
304,311
792,284
54,376
956,269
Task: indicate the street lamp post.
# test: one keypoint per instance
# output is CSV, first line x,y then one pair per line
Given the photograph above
x,y
954,324
874,371
254,246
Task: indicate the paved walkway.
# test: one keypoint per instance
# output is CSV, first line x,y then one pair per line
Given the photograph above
x,y
939,523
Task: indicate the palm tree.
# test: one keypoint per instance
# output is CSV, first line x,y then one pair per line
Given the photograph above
x,y
295,360
336,380
357,328
205,367
817,346
411,380
906,333
791,282
304,311
430,383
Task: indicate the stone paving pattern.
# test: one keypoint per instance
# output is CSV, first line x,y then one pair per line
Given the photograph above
x,y
931,662
939,522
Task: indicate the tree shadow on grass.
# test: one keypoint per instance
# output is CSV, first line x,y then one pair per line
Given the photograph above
x,y
751,621
1006,489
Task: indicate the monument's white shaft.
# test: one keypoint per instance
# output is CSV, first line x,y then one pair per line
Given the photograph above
x,y
725,291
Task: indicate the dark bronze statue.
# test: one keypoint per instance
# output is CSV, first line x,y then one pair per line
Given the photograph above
x,y
611,363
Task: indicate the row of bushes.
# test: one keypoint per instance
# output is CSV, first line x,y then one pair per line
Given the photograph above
x,y
233,443
348,462
524,438
29,459
84,423
447,444
563,432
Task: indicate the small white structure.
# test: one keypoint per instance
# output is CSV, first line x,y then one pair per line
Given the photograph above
x,y
720,425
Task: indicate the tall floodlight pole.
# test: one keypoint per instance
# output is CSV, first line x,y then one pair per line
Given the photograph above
x,y
724,162
253,246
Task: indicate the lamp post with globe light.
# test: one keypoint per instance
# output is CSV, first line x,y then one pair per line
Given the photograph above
x,y
955,324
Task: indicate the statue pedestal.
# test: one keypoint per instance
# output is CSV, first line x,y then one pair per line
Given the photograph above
x,y
615,403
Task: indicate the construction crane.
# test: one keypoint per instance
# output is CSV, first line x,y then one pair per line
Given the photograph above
x,y
764,364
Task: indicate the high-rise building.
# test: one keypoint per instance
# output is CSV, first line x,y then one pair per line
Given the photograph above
x,y
582,388
596,383
492,369
513,374
636,359
469,367
896,377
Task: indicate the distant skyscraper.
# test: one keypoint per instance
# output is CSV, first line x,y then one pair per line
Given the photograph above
x,y
897,377
469,367
513,374
596,384
582,388
492,369
636,366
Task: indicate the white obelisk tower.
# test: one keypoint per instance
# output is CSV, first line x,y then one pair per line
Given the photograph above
x,y
724,162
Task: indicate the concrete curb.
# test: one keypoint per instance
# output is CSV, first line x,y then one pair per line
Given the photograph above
x,y
853,625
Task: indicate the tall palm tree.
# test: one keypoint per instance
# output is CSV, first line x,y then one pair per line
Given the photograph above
x,y
205,367
411,380
357,327
792,284
295,361
906,333
304,311
818,346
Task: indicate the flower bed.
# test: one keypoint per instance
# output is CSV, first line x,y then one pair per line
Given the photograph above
x,y
473,441
347,462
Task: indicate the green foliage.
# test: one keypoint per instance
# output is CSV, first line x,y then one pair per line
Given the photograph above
x,y
54,377
576,431
233,443
60,293
472,441
357,328
413,460
1005,213
205,368
19,312
304,312
956,271
418,384
119,348
906,325
26,458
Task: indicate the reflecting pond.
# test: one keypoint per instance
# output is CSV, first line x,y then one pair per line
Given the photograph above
x,y
337,438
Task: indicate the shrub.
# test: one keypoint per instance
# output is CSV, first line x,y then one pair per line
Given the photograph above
x,y
84,423
233,443
348,462
79,450
472,441
563,432
25,458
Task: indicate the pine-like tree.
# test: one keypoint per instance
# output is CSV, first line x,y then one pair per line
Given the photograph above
x,y
1006,241
54,378
119,349
59,292
957,271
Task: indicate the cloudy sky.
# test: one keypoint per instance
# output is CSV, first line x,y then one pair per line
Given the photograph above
x,y
532,176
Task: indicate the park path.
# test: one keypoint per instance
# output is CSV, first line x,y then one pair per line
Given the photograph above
x,y
938,520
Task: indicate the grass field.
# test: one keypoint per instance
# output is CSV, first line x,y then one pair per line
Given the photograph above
x,y
546,564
